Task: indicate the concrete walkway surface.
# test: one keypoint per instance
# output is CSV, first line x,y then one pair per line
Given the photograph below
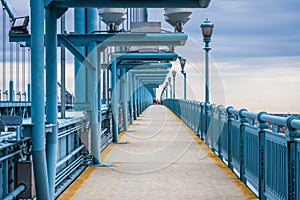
x,y
162,160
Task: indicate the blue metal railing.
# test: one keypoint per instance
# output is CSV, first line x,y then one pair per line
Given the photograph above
x,y
262,150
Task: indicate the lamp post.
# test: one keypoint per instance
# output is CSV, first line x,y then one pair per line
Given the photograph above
x,y
166,90
169,80
182,61
207,29
174,74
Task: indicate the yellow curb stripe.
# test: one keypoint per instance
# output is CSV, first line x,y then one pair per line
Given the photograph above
x,y
70,191
237,182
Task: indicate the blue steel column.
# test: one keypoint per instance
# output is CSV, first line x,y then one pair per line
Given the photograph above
x,y
92,84
114,100
130,85
80,72
51,95
11,90
134,96
38,104
137,92
139,97
184,87
124,97
29,92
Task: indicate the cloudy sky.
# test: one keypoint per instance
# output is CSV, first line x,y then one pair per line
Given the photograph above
x,y
255,57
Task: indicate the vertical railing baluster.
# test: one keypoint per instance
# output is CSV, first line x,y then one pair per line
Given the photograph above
x,y
291,156
202,120
243,122
230,117
261,142
221,116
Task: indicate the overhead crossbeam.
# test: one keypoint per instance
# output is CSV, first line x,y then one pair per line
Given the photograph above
x,y
128,4
113,39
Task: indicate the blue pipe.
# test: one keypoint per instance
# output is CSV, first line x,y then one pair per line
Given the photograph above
x,y
11,91
13,195
51,95
80,71
114,101
92,91
38,104
9,11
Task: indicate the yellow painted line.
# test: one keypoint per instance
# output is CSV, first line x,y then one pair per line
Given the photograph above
x,y
121,135
237,182
70,191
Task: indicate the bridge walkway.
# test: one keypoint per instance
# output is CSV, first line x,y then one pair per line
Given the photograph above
x,y
163,159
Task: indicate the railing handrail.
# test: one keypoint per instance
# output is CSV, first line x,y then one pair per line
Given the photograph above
x,y
252,144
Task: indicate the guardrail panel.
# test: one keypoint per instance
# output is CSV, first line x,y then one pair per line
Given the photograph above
x,y
224,139
251,149
276,165
235,144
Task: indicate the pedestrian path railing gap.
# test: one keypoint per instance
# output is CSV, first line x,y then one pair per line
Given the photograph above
x,y
263,150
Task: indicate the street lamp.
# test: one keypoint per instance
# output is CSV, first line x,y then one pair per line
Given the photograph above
x,y
166,90
169,79
182,61
174,74
207,29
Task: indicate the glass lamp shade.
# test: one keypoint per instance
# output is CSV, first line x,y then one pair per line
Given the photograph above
x,y
174,73
182,61
207,28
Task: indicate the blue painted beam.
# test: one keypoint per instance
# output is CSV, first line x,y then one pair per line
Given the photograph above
x,y
132,3
160,56
83,59
8,10
113,39
154,76
140,66
156,71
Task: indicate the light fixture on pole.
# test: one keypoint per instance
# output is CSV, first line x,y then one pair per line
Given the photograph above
x,y
182,61
174,75
169,80
207,30
166,90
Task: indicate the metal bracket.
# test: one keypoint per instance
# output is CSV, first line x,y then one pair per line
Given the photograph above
x,y
83,59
